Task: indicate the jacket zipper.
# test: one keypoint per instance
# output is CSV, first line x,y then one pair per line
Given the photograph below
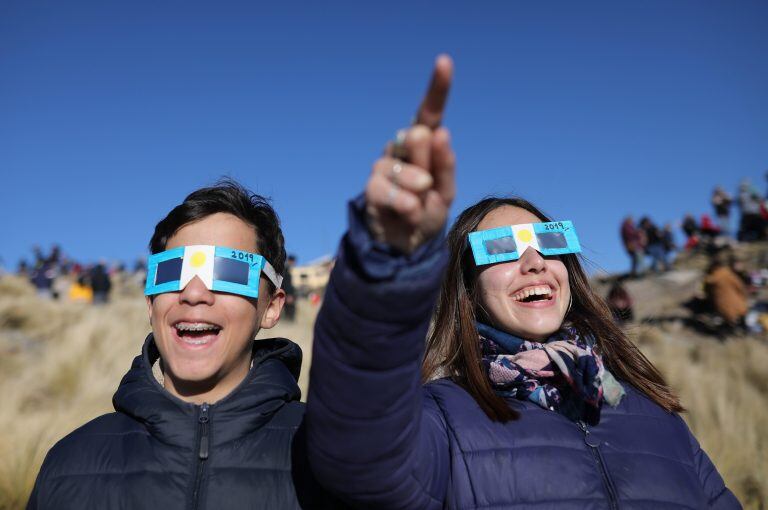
x,y
594,448
202,452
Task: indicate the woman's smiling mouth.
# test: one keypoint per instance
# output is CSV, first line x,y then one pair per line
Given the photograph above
x,y
536,295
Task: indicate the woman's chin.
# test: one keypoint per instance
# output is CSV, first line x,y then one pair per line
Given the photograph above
x,y
536,331
535,323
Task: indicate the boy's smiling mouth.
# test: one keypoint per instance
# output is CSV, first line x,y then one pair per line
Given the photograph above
x,y
196,333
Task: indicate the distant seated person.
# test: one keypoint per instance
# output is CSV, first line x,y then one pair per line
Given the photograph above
x,y
207,416
726,292
620,303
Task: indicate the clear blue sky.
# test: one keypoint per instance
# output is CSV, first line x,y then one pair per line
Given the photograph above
x,y
111,112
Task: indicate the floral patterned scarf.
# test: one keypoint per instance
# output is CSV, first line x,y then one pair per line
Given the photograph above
x,y
563,374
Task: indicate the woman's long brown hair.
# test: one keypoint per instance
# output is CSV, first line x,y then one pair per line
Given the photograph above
x,y
453,349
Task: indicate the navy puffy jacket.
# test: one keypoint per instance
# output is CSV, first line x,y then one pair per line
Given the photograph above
x,y
157,451
378,438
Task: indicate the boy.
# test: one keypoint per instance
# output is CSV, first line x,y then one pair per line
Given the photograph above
x,y
207,416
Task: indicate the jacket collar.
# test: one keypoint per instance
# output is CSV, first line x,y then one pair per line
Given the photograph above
x,y
269,385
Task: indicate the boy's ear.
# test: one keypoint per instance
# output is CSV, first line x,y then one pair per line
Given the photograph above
x,y
274,307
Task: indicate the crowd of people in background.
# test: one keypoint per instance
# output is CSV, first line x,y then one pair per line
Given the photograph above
x,y
647,241
652,248
58,277
727,285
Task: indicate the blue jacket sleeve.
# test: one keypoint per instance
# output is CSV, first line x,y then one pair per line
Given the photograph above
x,y
32,503
40,489
375,438
719,496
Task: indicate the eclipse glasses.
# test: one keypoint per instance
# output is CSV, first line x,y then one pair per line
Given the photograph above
x,y
221,269
503,244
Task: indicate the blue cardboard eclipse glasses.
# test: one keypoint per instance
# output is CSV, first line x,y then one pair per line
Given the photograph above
x,y
507,243
221,269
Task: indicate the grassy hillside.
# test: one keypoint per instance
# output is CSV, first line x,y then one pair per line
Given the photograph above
x,y
60,363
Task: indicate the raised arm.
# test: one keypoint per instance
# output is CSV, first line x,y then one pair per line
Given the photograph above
x,y
374,437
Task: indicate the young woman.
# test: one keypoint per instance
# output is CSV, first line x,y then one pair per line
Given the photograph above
x,y
533,397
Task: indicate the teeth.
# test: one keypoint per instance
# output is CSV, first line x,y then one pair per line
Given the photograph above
x,y
196,326
542,290
195,342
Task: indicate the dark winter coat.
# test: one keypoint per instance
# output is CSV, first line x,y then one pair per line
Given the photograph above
x,y
100,281
380,439
158,451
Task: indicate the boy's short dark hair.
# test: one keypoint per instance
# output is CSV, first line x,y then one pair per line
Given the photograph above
x,y
227,196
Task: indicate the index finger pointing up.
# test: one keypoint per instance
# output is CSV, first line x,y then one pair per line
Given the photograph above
x,y
431,110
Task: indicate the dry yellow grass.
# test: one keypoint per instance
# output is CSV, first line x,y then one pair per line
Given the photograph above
x,y
60,364
724,386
